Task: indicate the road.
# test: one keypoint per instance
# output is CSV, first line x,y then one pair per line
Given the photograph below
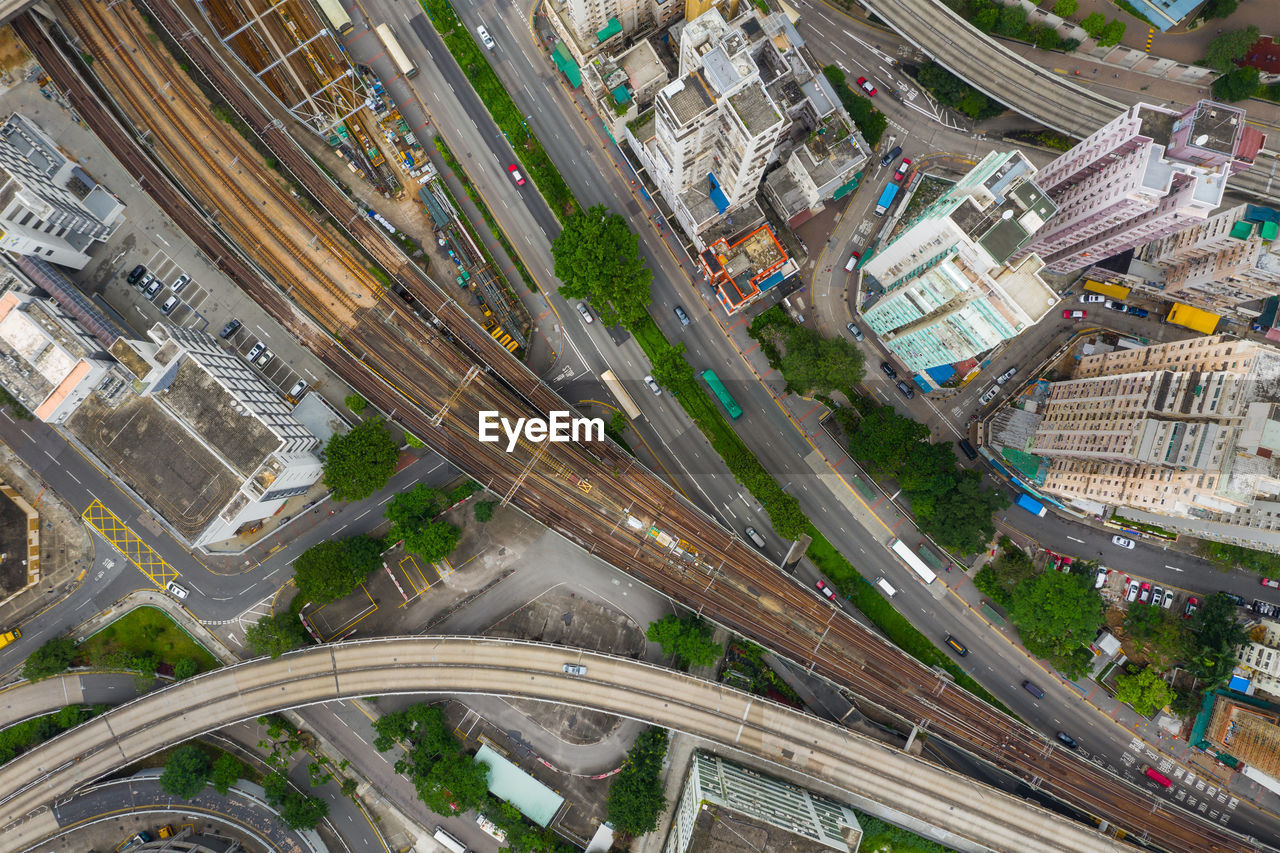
x,y
461,665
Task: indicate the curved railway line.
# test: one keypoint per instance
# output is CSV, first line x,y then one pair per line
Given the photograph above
x,y
418,354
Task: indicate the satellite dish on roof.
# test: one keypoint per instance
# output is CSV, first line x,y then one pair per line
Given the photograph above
x,y
1202,139
1008,214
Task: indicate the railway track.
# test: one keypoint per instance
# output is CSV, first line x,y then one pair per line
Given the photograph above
x,y
419,370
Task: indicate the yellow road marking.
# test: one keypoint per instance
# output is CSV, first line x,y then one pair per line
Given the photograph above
x,y
129,544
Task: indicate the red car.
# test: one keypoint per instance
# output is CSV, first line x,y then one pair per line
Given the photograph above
x,y
1271,582
826,590
867,87
902,169
1074,314
515,175
1193,604
1144,592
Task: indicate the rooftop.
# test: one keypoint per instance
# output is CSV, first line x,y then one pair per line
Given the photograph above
x,y
508,782
1156,123
688,97
1216,126
754,108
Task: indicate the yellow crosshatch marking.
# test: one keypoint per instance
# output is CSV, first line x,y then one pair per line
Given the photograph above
x,y
127,543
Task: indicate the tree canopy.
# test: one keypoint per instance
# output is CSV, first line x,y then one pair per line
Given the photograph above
x,y
413,519
636,799
960,515
359,462
1228,48
276,633
597,257
447,780
954,92
226,770
1057,614
808,362
186,772
871,123
1237,85
883,440
50,659
687,638
297,810
330,570
1111,34
1094,24
1145,691
1218,9
1216,634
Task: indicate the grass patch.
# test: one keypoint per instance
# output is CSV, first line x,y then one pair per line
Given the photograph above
x,y
21,737
475,65
1153,529
145,631
1238,557
872,604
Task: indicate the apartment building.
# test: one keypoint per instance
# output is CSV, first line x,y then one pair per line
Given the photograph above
x,y
1146,174
746,97
588,27
49,207
949,291
1183,435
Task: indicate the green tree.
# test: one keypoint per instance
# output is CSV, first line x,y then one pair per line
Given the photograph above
x,y
1066,8
1218,9
360,462
1229,47
297,810
636,800
356,403
1111,34
226,770
484,510
597,257
1057,614
186,772
1145,691
447,780
1045,38
618,423
1215,636
412,509
276,633
960,517
50,659
185,668
882,440
1005,573
670,368
330,570
433,542
868,119
986,20
1094,24
814,364
1012,22
348,787
1237,85
687,638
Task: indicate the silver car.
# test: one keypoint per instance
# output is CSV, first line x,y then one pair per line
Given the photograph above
x,y
989,395
1122,542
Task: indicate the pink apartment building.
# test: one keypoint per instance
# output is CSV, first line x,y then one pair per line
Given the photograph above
x,y
1148,173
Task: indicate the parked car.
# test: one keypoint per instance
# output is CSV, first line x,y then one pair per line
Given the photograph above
x,y
653,386
1144,592
138,272
1006,376
1131,591
855,331
145,282
1116,305
586,313
255,351
515,175
177,590
1074,314
266,356
1138,312
902,169
681,315
1101,579
1193,604
1271,582
1157,596
1068,740
1168,599
1238,601
906,390
988,395
229,329
826,590
865,85
1265,608
153,288
296,391
575,669
180,282
1122,542
852,264
1092,298
887,369
169,305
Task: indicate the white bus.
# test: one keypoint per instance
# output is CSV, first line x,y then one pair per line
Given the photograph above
x,y
624,399
913,562
338,17
402,62
448,841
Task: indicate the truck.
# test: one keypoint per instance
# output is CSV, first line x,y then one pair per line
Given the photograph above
x,y
886,199
1030,505
6,639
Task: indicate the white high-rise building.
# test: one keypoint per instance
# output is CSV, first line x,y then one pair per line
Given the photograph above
x,y
49,207
950,293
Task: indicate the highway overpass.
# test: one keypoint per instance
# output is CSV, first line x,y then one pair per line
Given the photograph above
x,y
973,816
1036,93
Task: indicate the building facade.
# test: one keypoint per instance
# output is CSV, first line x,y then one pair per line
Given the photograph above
x,y
49,207
949,291
713,781
1146,174
1184,435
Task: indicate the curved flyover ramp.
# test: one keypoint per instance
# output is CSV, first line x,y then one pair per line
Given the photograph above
x,y
771,732
1038,94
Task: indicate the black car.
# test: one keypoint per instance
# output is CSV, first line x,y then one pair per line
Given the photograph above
x,y
888,370
138,272
906,389
891,156
1068,740
229,329
1237,600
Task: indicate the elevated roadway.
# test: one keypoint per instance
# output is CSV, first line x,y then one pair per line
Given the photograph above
x,y
980,816
1035,92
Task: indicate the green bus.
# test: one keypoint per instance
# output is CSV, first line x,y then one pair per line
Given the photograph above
x,y
717,387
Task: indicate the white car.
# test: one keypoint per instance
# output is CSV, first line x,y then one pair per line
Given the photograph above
x,y
1168,599
1131,592
653,386
585,312
575,669
989,395
1122,542
1092,298
177,590
1006,376
1101,579
485,38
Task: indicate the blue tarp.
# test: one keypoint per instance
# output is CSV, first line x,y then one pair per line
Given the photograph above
x,y
772,281
1239,683
717,195
941,373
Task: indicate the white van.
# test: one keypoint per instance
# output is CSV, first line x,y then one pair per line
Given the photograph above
x,y
851,263
885,587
